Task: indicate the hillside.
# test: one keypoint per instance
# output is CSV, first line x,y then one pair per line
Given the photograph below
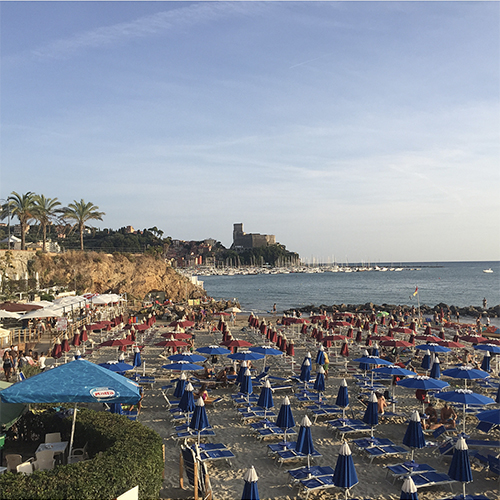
x,y
92,272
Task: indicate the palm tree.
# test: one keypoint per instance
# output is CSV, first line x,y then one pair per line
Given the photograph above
x,y
23,207
45,210
81,212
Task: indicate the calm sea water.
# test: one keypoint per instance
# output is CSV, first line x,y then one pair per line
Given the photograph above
x,y
460,284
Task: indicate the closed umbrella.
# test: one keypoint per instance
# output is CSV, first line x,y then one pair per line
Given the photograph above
x,y
186,404
305,372
266,398
246,385
304,440
486,363
343,397
345,475
460,469
250,490
436,368
199,420
371,413
241,372
414,436
426,360
320,356
319,383
137,357
78,354
180,387
408,490
285,418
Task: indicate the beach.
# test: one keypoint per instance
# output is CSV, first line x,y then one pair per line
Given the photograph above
x,y
273,483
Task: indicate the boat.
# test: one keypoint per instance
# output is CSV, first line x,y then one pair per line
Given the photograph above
x,y
489,271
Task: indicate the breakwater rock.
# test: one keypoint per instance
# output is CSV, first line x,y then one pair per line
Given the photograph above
x,y
470,311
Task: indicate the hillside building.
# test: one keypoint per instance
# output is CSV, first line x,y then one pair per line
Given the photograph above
x,y
242,240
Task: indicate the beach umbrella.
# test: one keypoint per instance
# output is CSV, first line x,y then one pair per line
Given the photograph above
x,y
426,361
213,350
394,371
414,436
492,348
78,381
460,469
117,366
199,420
345,475
57,351
371,413
319,383
266,350
465,372
344,351
304,440
464,397
180,386
266,397
137,357
246,385
187,356
451,344
320,356
76,339
486,363
183,366
367,360
436,368
250,490
408,490
305,372
9,314
78,354
285,418
246,356
491,416
237,343
424,383
433,347
395,343
186,403
343,397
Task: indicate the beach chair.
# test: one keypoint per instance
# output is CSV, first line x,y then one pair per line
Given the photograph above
x,y
305,472
363,443
253,413
44,460
386,451
400,471
482,443
287,455
427,479
210,452
189,434
196,472
271,431
485,427
13,460
354,427
318,483
323,410
494,465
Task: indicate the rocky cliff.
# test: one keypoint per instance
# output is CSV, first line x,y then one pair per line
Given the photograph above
x,y
92,272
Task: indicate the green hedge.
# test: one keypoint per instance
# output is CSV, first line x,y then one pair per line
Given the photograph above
x,y
125,454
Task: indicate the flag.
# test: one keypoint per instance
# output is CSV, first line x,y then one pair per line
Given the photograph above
x,y
416,291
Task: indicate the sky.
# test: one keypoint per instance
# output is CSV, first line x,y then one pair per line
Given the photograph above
x,y
352,131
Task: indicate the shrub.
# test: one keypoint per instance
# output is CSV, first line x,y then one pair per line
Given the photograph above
x,y
125,454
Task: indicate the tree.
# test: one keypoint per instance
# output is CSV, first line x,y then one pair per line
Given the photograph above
x,y
23,207
81,212
45,210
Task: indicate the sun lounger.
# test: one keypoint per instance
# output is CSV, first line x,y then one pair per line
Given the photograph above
x,y
352,426
186,435
251,413
362,443
427,479
288,455
482,443
318,483
494,464
242,400
307,472
273,431
209,452
323,410
399,471
384,451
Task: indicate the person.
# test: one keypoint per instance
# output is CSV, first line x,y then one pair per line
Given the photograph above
x,y
381,403
421,395
203,394
448,416
208,372
274,309
222,376
432,419
41,361
326,365
485,303
457,315
7,364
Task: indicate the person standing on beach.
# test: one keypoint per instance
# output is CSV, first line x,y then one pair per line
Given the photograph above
x,y
274,309
7,364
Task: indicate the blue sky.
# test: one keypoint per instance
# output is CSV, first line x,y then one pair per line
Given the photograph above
x,y
350,130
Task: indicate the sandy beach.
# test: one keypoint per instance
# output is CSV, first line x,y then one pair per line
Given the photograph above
x,y
227,480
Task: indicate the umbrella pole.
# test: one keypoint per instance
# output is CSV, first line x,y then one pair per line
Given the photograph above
x,y
72,432
464,431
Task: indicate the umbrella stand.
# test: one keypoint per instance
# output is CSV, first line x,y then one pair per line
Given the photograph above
x,y
72,432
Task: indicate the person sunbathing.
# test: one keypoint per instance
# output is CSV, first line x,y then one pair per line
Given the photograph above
x,y
431,422
203,394
381,403
448,416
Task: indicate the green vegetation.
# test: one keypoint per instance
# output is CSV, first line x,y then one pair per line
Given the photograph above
x,y
123,454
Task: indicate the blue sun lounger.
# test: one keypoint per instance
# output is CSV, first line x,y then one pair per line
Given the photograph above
x,y
307,472
352,426
399,471
188,434
316,484
323,410
384,451
273,431
288,455
250,413
427,479
363,443
208,452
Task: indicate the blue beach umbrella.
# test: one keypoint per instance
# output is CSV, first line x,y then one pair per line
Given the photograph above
x,y
78,354
426,361
183,366
465,372
371,413
213,350
266,350
424,383
491,416
199,420
464,397
375,352
497,397
246,385
436,368
307,358
186,403
495,349
343,397
319,383
371,360
180,386
246,356
137,357
393,371
345,475
304,440
117,366
241,372
250,490
460,469
266,397
305,372
408,490
320,356
433,348
187,356
486,363
414,436
285,418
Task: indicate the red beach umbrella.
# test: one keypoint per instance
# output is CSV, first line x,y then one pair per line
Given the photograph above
x,y
183,323
490,341
428,338
171,343
344,351
57,351
303,329
350,333
76,339
403,329
368,341
116,343
359,338
238,343
450,343
334,338
375,328
65,347
395,343
182,335
473,339
290,350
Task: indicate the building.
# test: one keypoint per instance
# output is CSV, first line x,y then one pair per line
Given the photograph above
x,y
242,240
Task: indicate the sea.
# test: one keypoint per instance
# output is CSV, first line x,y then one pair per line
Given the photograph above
x,y
460,284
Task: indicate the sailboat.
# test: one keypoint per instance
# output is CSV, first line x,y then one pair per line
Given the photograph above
x,y
489,271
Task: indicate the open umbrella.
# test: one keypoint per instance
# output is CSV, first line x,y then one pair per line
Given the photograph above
x,y
183,366
117,366
345,475
187,356
250,490
414,436
433,348
371,360
394,371
266,398
465,372
464,397
78,381
304,440
408,490
180,386
213,350
199,420
371,413
460,469
424,383
285,418
246,356
491,416
266,351
343,397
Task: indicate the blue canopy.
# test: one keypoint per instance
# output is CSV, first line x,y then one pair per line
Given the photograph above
x,y
78,381
433,348
414,436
